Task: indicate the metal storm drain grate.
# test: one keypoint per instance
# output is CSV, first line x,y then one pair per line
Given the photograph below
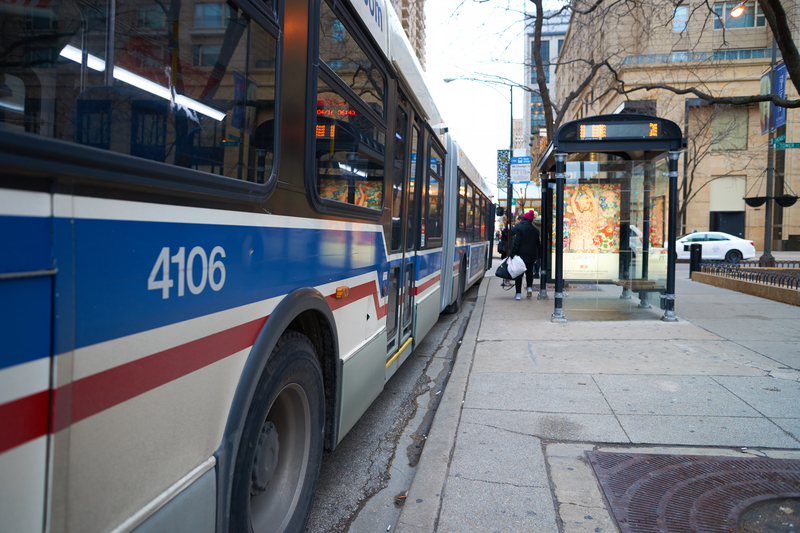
x,y
689,493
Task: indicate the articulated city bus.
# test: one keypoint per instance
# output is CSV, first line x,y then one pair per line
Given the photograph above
x,y
224,227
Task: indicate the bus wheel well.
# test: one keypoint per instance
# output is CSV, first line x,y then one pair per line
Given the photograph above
x,y
313,325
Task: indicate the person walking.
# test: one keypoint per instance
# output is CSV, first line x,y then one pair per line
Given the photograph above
x,y
526,246
504,242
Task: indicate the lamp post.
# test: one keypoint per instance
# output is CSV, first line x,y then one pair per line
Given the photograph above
x,y
766,259
499,80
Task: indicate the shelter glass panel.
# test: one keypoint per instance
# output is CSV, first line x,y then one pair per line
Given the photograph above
x,y
615,249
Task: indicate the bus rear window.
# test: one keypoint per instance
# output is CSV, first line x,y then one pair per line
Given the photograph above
x,y
190,85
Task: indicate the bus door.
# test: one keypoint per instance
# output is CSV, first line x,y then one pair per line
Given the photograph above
x,y
26,293
411,223
402,269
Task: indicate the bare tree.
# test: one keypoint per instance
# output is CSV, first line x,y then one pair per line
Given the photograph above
x,y
596,74
707,134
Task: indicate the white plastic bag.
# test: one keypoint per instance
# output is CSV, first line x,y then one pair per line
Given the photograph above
x,y
516,266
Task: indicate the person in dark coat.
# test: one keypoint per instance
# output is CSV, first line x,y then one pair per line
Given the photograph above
x,y
526,246
502,243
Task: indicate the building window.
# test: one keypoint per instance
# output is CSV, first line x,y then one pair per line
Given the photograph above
x,y
680,18
545,51
338,31
205,56
729,129
537,112
42,19
211,15
150,17
752,16
560,44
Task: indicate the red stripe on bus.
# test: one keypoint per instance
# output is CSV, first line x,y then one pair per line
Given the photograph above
x,y
356,293
26,419
23,420
114,386
421,288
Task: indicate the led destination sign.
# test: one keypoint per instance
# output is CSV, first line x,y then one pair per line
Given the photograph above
x,y
619,130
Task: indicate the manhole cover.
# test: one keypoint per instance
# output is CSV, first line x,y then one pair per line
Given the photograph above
x,y
689,493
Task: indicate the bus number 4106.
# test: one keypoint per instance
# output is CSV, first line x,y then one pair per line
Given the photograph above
x,y
210,269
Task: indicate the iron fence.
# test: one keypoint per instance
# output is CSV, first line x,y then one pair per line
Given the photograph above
x,y
740,271
783,263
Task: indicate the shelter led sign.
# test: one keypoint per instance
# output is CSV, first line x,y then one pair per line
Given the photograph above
x,y
620,130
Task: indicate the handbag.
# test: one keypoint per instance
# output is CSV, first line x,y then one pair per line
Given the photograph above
x,y
516,267
502,247
502,270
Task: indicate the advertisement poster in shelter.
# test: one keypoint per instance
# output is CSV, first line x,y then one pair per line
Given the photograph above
x,y
591,231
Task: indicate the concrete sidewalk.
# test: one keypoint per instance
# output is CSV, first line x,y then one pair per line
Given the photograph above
x,y
528,398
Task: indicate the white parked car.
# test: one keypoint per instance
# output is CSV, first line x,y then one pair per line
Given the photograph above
x,y
716,246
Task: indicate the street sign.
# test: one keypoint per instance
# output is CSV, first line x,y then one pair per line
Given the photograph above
x,y
779,113
779,138
520,170
503,157
783,146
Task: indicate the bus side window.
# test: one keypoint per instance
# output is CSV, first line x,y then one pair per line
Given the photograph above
x,y
350,152
470,212
432,211
462,205
205,104
350,140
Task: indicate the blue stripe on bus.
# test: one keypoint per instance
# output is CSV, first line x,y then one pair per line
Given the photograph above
x,y
25,302
114,259
26,244
25,318
428,264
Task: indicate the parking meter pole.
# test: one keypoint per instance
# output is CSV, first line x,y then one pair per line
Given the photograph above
x,y
695,257
509,216
544,232
669,304
558,224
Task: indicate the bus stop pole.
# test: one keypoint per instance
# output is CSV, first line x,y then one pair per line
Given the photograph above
x,y
558,311
669,297
544,217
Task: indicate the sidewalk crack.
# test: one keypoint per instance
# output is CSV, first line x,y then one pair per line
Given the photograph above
x,y
501,483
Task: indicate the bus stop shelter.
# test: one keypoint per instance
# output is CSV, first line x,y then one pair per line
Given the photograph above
x,y
609,214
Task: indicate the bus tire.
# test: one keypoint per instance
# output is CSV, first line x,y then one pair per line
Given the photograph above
x,y
275,480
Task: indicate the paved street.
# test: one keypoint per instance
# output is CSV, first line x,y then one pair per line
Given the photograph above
x,y
360,480
528,399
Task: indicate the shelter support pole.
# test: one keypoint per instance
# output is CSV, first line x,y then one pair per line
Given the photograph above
x,y
561,167
669,304
544,234
644,255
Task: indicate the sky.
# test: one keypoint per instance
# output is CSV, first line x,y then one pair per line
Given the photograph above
x,y
468,39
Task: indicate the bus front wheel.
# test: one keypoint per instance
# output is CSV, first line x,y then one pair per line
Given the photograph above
x,y
278,462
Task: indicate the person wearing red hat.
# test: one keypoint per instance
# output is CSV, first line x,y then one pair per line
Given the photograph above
x,y
526,246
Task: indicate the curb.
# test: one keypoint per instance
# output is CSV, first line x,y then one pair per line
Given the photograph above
x,y
770,292
421,511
